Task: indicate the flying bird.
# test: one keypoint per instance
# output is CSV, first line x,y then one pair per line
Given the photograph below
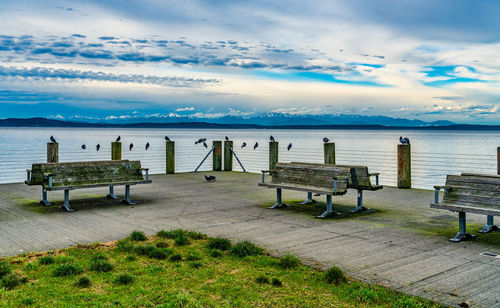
x,y
84,146
118,139
272,138
325,139
130,146
289,147
404,140
210,178
167,139
205,144
256,145
97,147
52,139
243,145
227,139
147,146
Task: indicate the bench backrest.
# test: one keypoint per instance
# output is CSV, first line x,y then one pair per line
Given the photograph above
x,y
90,172
479,190
317,175
358,175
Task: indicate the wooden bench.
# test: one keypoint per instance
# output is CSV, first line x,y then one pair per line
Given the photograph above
x,y
329,180
359,179
76,175
470,193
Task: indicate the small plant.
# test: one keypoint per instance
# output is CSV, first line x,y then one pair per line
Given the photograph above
x,y
172,234
10,281
124,246
289,261
262,279
219,243
144,250
83,282
138,236
160,253
193,256
195,235
181,239
130,258
101,266
195,264
215,253
335,275
67,270
4,268
124,279
245,248
161,245
27,301
276,282
176,257
46,260
99,257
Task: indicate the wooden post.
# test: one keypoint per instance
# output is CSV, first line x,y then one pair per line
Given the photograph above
x,y
404,166
273,154
217,156
228,156
169,157
52,152
329,151
498,160
116,151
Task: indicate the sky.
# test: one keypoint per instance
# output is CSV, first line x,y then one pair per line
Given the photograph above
x,y
428,60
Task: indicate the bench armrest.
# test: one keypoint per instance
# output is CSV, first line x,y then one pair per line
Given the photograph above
x,y
147,173
264,174
339,179
376,174
28,175
49,176
436,192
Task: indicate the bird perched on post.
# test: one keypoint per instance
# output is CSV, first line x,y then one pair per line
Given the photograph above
x,y
243,145
272,139
404,140
84,146
325,140
227,139
167,139
289,147
256,145
118,139
201,140
130,146
205,144
210,178
52,139
147,146
97,147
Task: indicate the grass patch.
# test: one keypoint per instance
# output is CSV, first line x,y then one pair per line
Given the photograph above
x,y
289,261
139,279
46,260
181,239
137,236
101,266
10,281
4,268
219,243
335,275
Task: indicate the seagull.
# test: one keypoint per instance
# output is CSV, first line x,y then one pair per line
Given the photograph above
x,y
147,146
272,138
130,146
84,146
227,139
205,144
325,139
210,178
289,147
52,139
404,140
167,139
256,145
118,139
243,145
97,147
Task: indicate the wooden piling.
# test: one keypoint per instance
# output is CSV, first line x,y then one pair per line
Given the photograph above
x,y
228,156
498,160
169,157
273,154
404,166
217,156
52,152
116,151
329,152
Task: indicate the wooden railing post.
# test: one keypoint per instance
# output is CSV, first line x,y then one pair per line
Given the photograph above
x,y
116,151
52,152
217,156
498,160
329,151
169,157
228,156
273,154
404,166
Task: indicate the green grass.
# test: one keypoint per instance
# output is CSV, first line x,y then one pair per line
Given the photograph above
x,y
196,279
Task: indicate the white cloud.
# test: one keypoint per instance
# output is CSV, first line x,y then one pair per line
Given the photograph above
x,y
185,109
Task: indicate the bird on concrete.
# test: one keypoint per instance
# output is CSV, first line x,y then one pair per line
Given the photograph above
x,y
130,146
147,146
243,145
205,144
167,139
118,139
325,139
98,147
84,146
227,139
256,145
404,140
210,178
272,139
52,139
289,147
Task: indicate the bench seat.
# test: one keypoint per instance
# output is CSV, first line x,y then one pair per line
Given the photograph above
x,y
306,188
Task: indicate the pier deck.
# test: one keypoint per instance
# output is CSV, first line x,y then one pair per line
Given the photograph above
x,y
404,244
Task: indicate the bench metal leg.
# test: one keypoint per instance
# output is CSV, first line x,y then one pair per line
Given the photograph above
x,y
329,208
111,194
279,202
462,235
44,198
309,199
360,206
127,196
66,201
490,225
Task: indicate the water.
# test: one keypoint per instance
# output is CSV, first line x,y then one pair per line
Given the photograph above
x,y
434,153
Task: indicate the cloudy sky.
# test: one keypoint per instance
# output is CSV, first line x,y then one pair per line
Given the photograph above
x,y
426,59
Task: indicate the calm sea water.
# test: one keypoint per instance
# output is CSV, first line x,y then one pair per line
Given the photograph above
x,y
434,153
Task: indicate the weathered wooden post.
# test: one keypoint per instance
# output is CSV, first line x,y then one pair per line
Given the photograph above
x,y
404,166
116,151
329,151
273,154
217,156
228,156
169,157
498,160
52,152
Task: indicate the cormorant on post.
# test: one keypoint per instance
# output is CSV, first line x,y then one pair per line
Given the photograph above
x,y
404,140
130,146
272,139
52,139
227,139
118,139
210,178
147,146
243,145
84,146
167,139
97,147
205,144
325,140
289,147
256,145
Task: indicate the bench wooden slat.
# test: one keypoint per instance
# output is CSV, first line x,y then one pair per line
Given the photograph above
x,y
466,208
115,183
307,188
